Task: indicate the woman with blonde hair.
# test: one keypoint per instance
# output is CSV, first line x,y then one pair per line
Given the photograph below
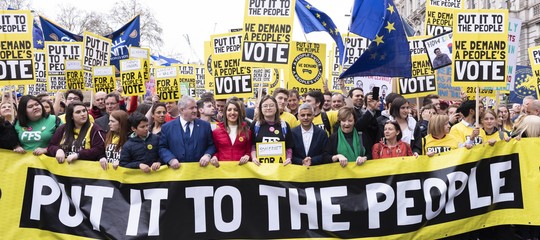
x,y
489,122
438,140
115,138
345,145
529,126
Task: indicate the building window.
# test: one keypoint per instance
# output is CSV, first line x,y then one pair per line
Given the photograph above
x,y
536,10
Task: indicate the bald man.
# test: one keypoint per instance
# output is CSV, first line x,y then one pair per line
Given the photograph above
x,y
98,106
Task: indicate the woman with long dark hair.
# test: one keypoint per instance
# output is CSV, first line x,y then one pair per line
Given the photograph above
x,y
268,127
115,138
159,110
232,136
400,112
78,138
34,126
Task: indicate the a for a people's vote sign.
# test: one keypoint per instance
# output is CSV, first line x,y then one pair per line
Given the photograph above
x,y
423,80
132,77
56,55
268,29
167,83
16,48
74,74
104,78
480,44
144,54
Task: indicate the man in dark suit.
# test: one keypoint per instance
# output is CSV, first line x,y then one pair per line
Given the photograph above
x,y
186,139
309,141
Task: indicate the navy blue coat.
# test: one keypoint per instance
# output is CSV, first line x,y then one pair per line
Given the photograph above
x,y
137,150
171,143
316,149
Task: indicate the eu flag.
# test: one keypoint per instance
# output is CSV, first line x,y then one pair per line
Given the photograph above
x,y
37,34
367,17
313,19
388,54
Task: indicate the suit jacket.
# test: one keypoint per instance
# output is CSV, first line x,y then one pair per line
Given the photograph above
x,y
316,149
171,143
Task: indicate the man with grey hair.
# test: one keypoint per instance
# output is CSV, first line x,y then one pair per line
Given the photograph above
x,y
534,108
186,139
309,141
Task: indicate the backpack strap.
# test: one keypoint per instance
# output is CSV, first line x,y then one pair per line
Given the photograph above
x,y
257,128
326,122
284,128
424,146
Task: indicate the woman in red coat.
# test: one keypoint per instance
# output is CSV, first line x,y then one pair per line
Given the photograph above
x,y
232,137
391,145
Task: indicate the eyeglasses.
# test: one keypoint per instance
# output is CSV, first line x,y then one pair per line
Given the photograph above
x,y
268,106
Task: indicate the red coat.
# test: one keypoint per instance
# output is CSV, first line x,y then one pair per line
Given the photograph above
x,y
381,150
225,150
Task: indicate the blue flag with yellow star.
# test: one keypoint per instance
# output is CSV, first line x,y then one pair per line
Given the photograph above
x,y
388,54
367,17
37,34
314,20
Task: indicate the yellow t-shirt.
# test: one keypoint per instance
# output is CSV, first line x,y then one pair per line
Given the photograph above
x,y
63,118
494,136
445,144
318,122
463,130
290,119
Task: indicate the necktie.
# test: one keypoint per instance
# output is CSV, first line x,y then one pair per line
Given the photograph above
x,y
187,134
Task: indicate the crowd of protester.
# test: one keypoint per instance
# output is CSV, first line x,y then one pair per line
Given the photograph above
x,y
348,127
316,128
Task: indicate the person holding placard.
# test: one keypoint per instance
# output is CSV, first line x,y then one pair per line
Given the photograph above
x,y
345,145
78,138
309,141
466,133
115,138
391,145
272,133
232,136
438,139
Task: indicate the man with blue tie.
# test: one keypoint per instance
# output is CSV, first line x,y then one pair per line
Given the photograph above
x,y
309,141
186,139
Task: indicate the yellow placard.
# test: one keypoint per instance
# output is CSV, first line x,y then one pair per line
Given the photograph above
x,y
307,70
56,55
208,72
187,74
480,43
167,83
104,78
268,27
440,14
74,74
270,152
232,77
40,74
199,80
423,81
142,53
534,58
132,77
17,47
97,52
